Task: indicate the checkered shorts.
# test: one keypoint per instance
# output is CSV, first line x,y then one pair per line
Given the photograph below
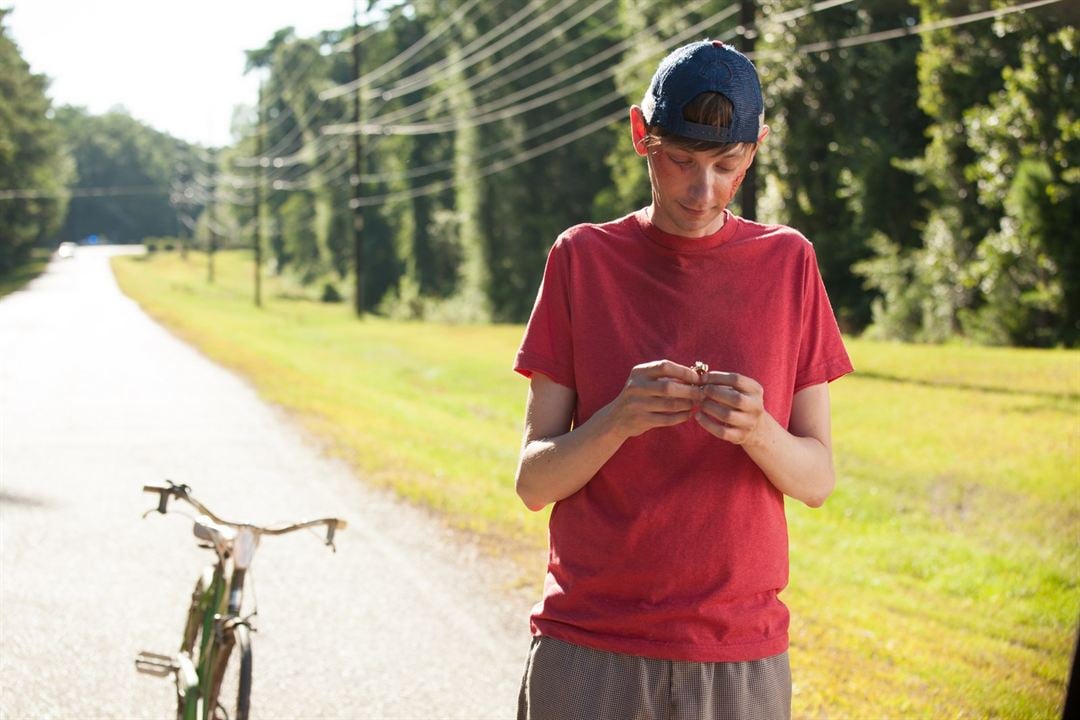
x,y
568,682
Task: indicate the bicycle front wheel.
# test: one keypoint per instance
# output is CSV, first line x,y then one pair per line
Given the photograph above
x,y
233,696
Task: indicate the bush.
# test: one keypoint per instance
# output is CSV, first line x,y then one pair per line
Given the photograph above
x,y
330,294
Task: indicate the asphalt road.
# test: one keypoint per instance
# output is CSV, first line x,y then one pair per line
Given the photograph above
x,y
406,620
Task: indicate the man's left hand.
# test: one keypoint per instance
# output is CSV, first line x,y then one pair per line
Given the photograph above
x,y
732,407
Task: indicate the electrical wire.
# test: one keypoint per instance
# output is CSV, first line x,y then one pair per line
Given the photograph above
x,y
473,84
496,110
437,33
906,31
430,75
606,121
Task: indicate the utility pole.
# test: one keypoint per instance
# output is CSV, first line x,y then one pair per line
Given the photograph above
x,y
211,240
358,212
748,28
258,197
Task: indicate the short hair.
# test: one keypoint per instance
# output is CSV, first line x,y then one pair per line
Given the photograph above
x,y
707,108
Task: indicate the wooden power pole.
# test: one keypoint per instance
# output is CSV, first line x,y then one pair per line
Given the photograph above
x,y
358,212
258,197
748,25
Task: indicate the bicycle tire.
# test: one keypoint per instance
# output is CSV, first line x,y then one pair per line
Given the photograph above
x,y
232,696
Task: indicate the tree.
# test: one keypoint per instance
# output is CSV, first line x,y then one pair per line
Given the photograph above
x,y
998,176
1027,140
135,161
31,158
840,118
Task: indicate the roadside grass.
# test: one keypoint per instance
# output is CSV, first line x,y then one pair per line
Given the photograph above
x,y
942,579
17,278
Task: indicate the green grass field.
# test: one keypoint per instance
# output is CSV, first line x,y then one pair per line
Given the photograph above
x,y
941,580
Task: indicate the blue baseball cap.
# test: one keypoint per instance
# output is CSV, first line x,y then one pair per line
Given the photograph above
x,y
706,66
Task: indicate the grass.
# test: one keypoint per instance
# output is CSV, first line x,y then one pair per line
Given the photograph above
x,y
941,580
18,277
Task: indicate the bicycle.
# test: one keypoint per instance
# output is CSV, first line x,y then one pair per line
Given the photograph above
x,y
213,666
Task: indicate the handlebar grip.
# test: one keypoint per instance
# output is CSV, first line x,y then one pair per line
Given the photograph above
x,y
163,496
331,527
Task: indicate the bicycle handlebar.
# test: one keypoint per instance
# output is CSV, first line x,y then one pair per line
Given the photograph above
x,y
183,492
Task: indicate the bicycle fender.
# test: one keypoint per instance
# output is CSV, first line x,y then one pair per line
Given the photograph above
x,y
187,686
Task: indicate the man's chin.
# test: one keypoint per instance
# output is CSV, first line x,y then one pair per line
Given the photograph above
x,y
698,226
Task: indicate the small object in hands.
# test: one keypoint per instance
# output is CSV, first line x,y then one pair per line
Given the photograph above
x,y
701,369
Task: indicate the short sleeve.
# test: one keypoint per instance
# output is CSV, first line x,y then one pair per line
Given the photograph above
x,y
547,346
822,356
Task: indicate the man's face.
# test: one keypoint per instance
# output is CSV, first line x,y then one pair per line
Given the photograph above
x,y
691,189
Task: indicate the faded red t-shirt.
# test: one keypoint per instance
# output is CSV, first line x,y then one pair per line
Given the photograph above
x,y
677,548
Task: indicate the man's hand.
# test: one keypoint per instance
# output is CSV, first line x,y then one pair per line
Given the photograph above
x,y
733,407
656,394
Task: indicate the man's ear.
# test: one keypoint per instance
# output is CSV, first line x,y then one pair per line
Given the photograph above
x,y
762,134
638,130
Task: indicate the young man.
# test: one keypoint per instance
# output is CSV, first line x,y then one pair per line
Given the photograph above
x,y
679,360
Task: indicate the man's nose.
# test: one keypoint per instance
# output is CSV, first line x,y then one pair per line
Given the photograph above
x,y
700,187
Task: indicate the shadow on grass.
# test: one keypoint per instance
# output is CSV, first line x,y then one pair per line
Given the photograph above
x,y
885,377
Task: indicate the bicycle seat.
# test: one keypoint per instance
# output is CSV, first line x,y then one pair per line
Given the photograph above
x,y
207,529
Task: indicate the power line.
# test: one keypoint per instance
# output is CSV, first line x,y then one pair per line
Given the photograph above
x,y
607,120
430,75
906,31
439,32
492,111
473,84
81,192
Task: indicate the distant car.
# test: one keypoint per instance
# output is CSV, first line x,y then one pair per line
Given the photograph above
x,y
66,249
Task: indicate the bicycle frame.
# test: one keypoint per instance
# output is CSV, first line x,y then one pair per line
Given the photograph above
x,y
214,618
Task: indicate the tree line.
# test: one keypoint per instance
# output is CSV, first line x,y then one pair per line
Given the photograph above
x,y
930,149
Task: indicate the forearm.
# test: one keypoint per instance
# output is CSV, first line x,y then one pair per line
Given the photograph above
x,y
554,468
801,467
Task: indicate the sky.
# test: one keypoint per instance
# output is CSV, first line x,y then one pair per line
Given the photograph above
x,y
176,66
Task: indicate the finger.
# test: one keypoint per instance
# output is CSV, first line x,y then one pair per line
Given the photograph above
x,y
742,383
669,419
728,396
717,428
664,404
669,369
644,403
726,415
667,387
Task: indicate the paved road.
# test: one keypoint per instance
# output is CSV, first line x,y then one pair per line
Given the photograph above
x,y
407,620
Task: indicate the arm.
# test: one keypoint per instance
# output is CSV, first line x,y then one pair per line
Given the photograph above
x,y
556,461
798,461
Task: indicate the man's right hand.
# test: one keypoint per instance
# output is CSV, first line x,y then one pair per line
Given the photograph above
x,y
657,394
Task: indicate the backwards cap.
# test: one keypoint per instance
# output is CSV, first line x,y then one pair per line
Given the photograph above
x,y
705,66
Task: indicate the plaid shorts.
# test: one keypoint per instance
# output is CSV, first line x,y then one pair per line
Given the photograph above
x,y
568,682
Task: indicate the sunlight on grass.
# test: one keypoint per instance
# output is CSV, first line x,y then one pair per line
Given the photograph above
x,y
942,579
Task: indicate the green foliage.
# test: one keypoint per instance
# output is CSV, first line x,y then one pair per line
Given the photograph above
x,y
1021,283
838,120
1000,171
116,151
935,174
32,158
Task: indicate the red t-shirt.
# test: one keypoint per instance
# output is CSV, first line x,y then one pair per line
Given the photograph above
x,y
677,548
